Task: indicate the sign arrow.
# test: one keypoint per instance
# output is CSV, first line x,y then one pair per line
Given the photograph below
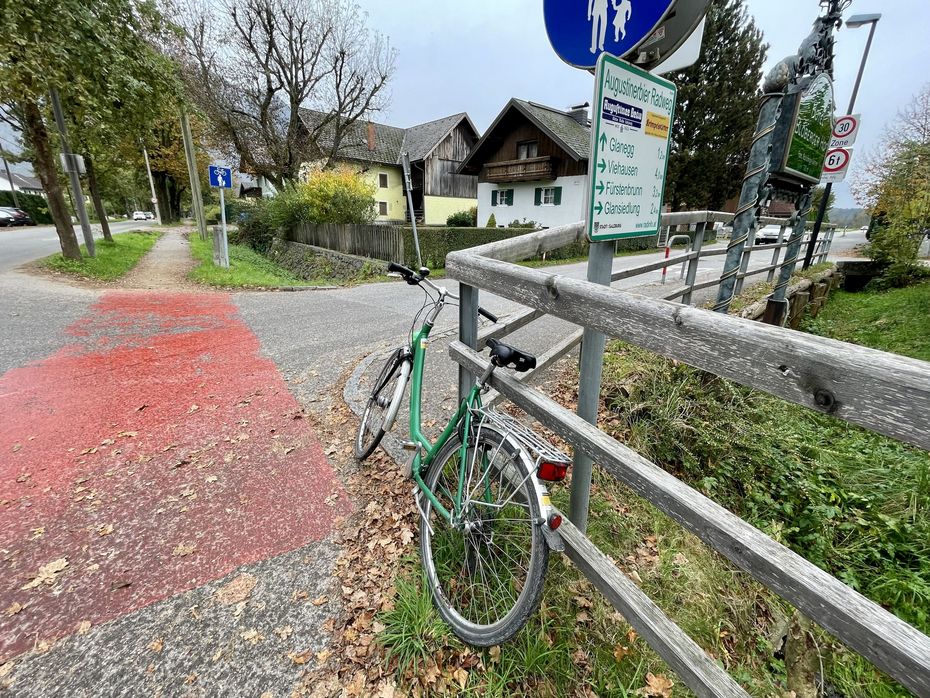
x,y
600,187
602,165
599,208
603,141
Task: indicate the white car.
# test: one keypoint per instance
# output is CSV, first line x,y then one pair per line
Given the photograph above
x,y
138,215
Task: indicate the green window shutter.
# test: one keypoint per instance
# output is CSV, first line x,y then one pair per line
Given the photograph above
x,y
558,196
537,201
494,198
510,197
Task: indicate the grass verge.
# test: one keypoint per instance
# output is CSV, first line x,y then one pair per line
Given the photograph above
x,y
247,268
113,259
851,501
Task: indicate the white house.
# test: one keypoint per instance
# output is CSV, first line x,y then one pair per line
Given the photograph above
x,y
532,164
21,183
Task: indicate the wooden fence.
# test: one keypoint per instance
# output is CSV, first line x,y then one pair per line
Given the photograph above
x,y
884,392
385,242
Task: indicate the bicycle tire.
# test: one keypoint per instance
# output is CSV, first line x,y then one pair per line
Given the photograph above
x,y
385,400
444,578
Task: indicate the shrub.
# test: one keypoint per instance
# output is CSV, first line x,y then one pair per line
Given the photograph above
x,y
462,219
33,204
897,246
328,196
212,214
531,225
492,222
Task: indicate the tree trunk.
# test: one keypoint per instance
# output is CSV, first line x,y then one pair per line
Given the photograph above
x,y
95,197
44,163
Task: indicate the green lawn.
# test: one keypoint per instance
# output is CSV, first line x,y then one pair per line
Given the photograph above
x,y
897,320
247,268
113,258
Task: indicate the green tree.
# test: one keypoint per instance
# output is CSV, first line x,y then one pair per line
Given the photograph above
x,y
97,55
816,198
716,111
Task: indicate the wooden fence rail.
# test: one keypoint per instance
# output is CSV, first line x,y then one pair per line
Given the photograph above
x,y
886,393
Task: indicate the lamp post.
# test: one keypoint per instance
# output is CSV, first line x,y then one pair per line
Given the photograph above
x,y
853,23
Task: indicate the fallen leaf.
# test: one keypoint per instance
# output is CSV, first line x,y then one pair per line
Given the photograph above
x,y
190,678
621,651
16,447
284,632
252,636
193,408
461,676
300,657
210,478
495,654
13,609
156,645
37,532
631,636
128,434
184,549
48,573
236,590
323,655
320,600
657,686
83,627
107,442
105,530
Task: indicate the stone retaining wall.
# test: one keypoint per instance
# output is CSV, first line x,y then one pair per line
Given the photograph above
x,y
309,262
807,296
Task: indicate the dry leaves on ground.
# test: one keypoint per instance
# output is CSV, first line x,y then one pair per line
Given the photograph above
x,y
657,686
48,573
237,590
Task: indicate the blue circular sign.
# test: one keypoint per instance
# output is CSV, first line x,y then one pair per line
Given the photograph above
x,y
581,30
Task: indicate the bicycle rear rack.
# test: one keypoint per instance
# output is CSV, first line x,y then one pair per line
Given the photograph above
x,y
539,449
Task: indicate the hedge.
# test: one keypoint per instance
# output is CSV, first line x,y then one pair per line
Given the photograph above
x,y
33,204
436,243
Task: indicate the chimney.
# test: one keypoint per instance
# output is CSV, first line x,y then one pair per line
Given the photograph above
x,y
579,113
372,141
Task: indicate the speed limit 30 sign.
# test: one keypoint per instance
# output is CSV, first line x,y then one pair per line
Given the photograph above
x,y
845,131
836,165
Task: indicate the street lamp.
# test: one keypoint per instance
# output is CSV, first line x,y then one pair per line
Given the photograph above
x,y
853,22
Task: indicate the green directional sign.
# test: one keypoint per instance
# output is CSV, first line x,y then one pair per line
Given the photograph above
x,y
804,132
630,141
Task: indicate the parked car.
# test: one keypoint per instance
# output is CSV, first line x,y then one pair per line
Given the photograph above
x,y
149,216
769,235
20,217
6,219
138,215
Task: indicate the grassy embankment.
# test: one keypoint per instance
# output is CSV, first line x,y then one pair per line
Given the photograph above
x,y
853,502
113,258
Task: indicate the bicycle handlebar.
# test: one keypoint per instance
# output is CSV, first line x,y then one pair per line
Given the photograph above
x,y
414,279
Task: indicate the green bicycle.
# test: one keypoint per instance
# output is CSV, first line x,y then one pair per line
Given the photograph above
x,y
486,522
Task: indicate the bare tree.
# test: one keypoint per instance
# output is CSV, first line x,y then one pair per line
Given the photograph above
x,y
255,64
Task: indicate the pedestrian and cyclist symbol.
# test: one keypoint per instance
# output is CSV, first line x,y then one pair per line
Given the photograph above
x,y
220,177
581,30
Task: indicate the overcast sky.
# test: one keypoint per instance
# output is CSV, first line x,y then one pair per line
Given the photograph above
x,y
475,56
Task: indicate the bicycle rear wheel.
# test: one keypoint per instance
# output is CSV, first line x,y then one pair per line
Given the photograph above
x,y
485,572
383,404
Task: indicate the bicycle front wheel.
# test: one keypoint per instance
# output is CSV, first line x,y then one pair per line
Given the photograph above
x,y
486,568
383,404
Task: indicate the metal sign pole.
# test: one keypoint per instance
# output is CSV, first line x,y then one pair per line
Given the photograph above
x,y
73,175
224,243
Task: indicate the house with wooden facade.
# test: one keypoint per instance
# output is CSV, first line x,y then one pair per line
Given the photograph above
x,y
531,165
436,150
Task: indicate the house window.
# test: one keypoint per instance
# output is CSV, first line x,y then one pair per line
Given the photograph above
x,y
548,196
382,207
502,197
527,149
383,180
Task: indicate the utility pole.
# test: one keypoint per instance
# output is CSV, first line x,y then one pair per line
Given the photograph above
x,y
9,178
71,164
854,22
148,170
190,156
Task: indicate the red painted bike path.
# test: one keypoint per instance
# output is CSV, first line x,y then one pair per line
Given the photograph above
x,y
156,452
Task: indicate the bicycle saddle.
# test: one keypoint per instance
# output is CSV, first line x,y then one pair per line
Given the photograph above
x,y
506,356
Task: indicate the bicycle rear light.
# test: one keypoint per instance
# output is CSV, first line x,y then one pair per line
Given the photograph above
x,y
554,521
551,471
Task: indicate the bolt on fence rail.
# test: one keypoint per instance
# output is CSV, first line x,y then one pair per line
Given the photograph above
x,y
886,393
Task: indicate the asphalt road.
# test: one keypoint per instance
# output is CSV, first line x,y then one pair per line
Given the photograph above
x,y
24,243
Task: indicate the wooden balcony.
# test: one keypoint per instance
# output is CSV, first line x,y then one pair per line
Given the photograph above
x,y
520,170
